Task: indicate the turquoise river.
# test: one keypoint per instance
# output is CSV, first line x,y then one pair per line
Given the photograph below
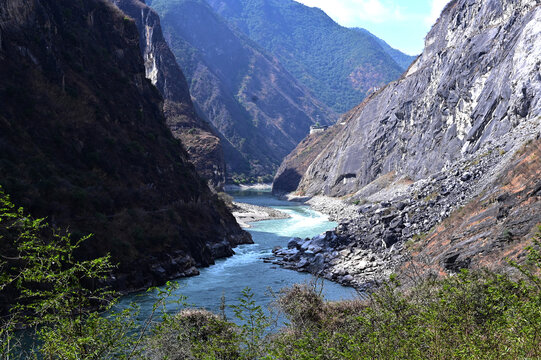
x,y
228,277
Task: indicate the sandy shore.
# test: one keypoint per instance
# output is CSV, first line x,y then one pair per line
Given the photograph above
x,y
246,213
232,187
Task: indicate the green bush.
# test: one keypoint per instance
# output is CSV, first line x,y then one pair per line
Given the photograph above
x,y
193,334
473,315
60,299
198,334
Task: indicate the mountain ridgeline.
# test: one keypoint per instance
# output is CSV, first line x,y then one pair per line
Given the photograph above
x,y
262,72
84,143
464,91
339,65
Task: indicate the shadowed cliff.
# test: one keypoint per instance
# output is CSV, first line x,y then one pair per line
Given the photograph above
x,y
83,142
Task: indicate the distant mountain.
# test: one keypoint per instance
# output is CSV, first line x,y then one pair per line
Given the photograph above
x,y
403,60
339,65
260,109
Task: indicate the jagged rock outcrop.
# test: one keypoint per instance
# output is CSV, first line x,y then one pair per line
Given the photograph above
x,y
83,142
480,212
260,108
496,226
442,165
198,137
476,80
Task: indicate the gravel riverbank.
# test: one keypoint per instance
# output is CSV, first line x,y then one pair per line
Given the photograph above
x,y
247,213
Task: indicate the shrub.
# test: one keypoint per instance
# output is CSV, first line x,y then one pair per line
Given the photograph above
x,y
199,334
194,334
473,315
303,306
470,315
60,298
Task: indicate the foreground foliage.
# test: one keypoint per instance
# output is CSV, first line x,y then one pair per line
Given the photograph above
x,y
71,315
60,299
473,315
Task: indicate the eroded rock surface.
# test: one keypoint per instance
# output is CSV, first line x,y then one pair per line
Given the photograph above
x,y
481,211
198,137
476,80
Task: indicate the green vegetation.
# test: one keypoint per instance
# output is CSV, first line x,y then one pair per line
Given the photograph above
x,y
473,315
58,296
337,64
256,105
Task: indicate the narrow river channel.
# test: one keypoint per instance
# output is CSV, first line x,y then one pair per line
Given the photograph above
x,y
247,268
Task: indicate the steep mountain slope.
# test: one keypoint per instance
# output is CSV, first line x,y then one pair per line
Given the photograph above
x,y
294,165
476,80
442,166
494,227
201,141
339,65
246,94
83,141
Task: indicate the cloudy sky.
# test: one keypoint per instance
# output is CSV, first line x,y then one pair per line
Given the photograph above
x,y
402,23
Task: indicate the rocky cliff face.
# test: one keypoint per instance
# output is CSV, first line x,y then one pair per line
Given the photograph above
x,y
294,166
198,137
246,94
478,78
83,142
289,174
480,212
441,168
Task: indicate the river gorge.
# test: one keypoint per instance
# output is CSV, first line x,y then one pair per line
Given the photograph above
x,y
247,268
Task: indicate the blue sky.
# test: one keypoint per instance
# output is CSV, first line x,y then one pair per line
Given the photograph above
x,y
401,23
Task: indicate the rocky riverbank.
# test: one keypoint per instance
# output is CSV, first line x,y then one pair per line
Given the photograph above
x,y
379,224
247,213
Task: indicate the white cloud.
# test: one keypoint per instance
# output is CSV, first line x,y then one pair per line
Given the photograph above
x,y
435,10
350,12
